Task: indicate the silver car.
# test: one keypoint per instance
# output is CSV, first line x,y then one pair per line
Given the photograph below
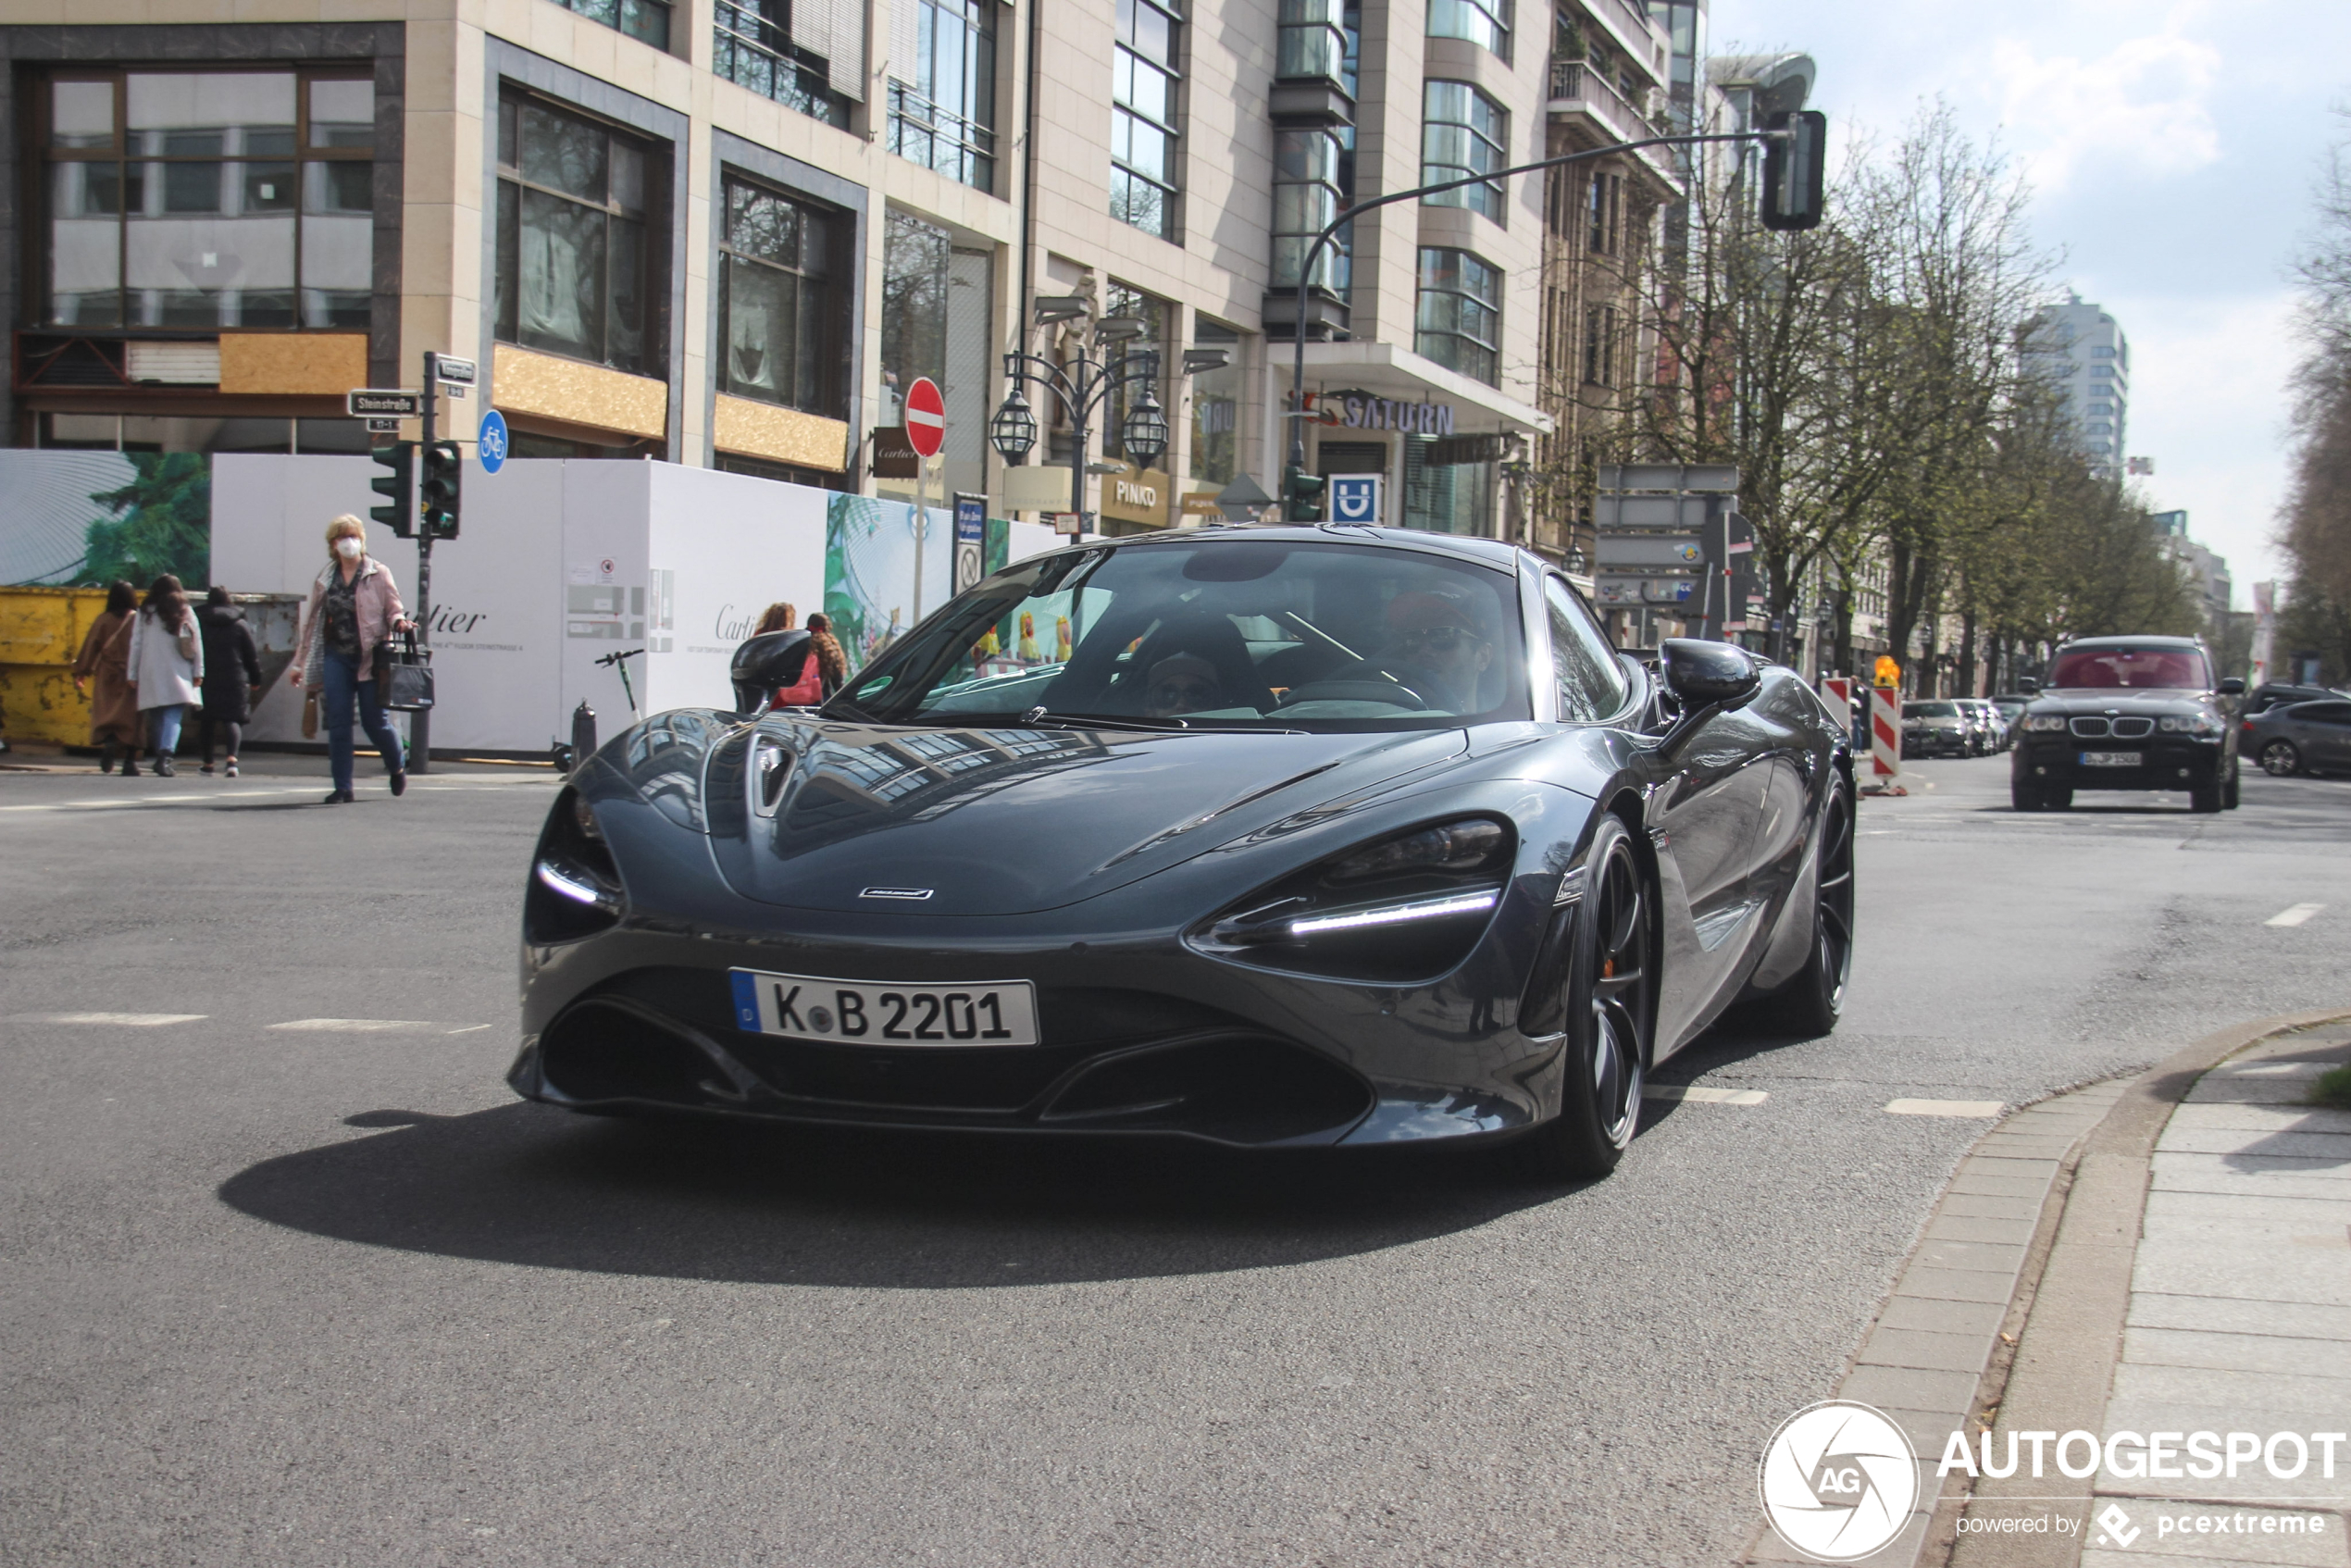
x,y
2299,737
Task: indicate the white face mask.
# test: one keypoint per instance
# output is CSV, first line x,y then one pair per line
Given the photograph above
x,y
349,548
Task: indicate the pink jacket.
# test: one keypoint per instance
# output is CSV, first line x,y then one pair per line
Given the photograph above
x,y
379,604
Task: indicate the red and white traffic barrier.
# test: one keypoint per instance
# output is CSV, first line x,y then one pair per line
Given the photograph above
x,y
1885,739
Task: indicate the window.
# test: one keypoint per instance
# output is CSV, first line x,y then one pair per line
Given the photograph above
x,y
1309,190
1216,406
2101,408
574,252
1599,345
1604,214
942,99
1459,323
782,308
2101,353
1142,121
1313,41
754,47
644,20
1120,300
1462,132
1591,683
209,199
1485,22
2100,427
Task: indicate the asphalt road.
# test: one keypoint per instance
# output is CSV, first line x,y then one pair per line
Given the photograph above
x,y
320,1295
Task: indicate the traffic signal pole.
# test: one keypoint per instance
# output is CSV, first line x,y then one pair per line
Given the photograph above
x,y
420,722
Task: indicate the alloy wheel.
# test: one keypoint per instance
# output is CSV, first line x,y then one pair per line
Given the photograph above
x,y
1833,927
1621,994
2280,760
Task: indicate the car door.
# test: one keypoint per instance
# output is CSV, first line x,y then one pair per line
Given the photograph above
x,y
2325,734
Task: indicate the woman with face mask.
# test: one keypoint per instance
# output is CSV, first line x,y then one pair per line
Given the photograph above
x,y
353,607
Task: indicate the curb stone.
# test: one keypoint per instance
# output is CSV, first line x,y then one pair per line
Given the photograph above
x,y
2046,1202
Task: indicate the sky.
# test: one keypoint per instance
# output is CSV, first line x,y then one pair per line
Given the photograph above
x,y
2172,149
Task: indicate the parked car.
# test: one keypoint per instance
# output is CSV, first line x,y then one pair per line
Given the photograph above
x,y
1991,731
2310,738
2011,706
1297,838
2127,713
2277,694
1937,728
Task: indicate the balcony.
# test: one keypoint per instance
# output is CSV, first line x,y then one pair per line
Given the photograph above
x,y
1580,92
942,140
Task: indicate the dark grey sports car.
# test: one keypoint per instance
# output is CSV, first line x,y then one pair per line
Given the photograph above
x,y
1261,836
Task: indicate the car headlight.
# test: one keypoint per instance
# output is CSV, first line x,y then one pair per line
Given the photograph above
x,y
2190,724
2044,723
1403,908
575,888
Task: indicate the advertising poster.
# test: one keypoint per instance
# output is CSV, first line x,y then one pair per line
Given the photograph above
x,y
69,516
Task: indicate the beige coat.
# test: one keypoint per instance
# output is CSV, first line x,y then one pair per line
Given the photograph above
x,y
103,661
378,603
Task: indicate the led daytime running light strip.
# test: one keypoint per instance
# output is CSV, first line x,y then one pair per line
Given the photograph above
x,y
1397,914
575,887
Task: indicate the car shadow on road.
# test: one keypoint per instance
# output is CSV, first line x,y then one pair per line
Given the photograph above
x,y
523,1184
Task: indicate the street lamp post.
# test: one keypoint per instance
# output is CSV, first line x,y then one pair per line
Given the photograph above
x,y
1080,387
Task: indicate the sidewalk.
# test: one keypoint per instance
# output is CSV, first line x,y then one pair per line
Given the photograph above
x,y
2163,1256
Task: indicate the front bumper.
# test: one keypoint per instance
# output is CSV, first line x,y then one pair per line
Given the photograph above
x,y
2166,762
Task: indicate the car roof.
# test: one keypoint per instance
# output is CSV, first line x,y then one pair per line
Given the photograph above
x,y
2148,641
1485,551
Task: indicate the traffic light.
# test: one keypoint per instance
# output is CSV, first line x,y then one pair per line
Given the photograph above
x,y
438,497
1302,497
398,458
1793,167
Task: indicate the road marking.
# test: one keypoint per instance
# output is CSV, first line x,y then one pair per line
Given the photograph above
x,y
468,1029
128,1020
2293,917
1701,1095
357,1025
1985,1108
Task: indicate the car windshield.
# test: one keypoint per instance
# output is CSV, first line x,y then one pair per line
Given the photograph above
x,y
1930,710
1221,633
2174,668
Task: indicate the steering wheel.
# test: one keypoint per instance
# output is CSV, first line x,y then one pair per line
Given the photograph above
x,y
1394,693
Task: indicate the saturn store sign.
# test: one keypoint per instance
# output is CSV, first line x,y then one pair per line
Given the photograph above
x,y
1137,495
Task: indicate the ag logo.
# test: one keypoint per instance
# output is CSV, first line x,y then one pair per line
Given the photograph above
x,y
1838,1481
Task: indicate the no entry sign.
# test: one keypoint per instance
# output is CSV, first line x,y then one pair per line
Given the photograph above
x,y
925,416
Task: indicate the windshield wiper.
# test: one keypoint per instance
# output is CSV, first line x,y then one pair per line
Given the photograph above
x,y
1038,718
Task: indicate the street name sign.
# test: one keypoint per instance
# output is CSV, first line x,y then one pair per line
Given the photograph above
x,y
362,402
457,371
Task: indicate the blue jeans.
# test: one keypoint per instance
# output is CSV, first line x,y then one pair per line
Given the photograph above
x,y
344,683
163,728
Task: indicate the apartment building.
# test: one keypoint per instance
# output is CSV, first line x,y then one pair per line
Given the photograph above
x,y
729,234
2088,358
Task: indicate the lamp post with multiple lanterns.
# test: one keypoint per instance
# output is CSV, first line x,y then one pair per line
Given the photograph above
x,y
1081,384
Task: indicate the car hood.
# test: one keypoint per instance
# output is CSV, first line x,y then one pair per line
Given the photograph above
x,y
1005,821
2149,701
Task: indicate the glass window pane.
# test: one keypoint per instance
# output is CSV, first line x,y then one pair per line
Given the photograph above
x,y
264,187
344,186
1153,36
190,187
765,225
759,326
82,114
809,356
564,153
626,323
627,177
509,222
204,113
342,114
85,242
1147,151
509,134
560,275
1591,682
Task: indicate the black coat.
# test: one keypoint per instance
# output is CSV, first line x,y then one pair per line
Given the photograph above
x,y
232,665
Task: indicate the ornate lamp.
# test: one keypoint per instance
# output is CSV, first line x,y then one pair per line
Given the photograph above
x,y
1145,432
1014,430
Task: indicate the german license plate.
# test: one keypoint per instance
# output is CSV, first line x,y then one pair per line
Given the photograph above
x,y
2110,759
859,1013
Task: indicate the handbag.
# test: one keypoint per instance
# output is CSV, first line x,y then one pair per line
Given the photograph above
x,y
310,715
403,674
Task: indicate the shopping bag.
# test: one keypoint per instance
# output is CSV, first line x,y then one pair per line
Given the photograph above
x,y
403,674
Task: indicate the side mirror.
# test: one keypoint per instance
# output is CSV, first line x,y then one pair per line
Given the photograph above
x,y
1714,675
2027,684
765,663
2232,687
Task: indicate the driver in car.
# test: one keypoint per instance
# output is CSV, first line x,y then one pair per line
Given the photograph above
x,y
1438,645
1183,683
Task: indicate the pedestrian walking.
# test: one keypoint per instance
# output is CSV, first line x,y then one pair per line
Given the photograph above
x,y
832,659
165,657
355,607
229,651
114,707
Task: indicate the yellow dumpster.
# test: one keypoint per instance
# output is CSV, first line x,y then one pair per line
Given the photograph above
x,y
41,630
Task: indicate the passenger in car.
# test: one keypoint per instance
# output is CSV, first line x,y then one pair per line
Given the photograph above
x,y
1183,683
1439,645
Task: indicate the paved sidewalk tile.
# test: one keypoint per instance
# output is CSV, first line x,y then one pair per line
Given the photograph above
x,y
1956,1284
2255,1209
2323,1399
1925,1351
2250,1173
1942,1317
2258,1118
1985,1205
2221,1352
2301,1320
2332,1147
1972,1227
2277,1273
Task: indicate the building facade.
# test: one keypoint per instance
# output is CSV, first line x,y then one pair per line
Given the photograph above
x,y
731,234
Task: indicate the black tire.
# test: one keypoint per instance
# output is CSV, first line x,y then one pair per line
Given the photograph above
x,y
1809,1004
2228,789
1611,1015
2281,759
2057,799
2204,796
2024,796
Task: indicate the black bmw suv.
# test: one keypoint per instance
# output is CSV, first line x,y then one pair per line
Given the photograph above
x,y
2126,713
